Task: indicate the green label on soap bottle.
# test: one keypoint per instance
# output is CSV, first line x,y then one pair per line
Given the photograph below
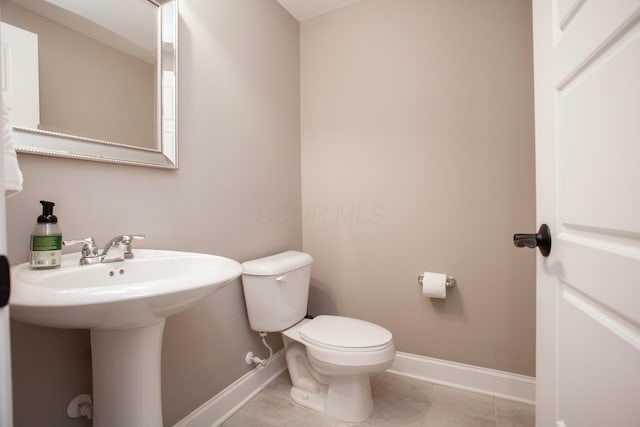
x,y
46,243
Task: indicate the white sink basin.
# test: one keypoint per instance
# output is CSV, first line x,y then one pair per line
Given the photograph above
x,y
124,304
131,293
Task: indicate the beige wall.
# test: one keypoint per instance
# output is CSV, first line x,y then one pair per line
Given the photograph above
x,y
239,153
417,155
87,88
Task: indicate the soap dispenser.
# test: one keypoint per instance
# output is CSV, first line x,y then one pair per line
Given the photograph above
x,y
46,240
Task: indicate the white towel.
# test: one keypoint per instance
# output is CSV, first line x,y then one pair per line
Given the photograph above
x,y
12,172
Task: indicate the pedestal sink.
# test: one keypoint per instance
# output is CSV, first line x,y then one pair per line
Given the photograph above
x,y
125,305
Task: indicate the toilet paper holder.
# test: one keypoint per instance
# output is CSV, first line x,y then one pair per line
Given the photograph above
x,y
449,283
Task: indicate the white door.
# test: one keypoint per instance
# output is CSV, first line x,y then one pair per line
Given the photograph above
x,y
587,95
6,407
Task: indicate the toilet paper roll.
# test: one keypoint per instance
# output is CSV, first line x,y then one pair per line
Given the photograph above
x,y
434,285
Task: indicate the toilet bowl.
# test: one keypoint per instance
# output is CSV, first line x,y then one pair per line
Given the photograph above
x,y
330,373
330,358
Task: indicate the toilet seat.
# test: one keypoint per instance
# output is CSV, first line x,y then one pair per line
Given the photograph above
x,y
339,333
337,343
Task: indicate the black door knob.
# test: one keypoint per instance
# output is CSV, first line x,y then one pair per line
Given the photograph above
x,y
5,281
541,240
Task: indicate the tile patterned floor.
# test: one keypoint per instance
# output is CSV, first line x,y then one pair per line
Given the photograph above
x,y
398,401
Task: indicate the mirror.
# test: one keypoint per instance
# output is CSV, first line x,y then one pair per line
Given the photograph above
x,y
93,80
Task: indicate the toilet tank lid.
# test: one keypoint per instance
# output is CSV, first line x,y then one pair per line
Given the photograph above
x,y
277,264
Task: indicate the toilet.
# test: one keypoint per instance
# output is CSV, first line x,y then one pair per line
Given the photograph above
x,y
330,358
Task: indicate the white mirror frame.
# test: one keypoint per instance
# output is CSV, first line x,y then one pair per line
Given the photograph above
x,y
33,141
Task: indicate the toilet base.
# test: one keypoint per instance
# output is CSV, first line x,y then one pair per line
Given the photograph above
x,y
338,386
313,401
347,398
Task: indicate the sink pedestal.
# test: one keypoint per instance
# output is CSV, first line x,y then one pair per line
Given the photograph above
x,y
126,376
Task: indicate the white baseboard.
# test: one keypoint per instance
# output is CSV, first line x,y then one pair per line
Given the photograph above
x,y
480,380
501,384
220,407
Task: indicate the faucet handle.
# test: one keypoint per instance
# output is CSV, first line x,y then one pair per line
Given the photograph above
x,y
89,248
127,239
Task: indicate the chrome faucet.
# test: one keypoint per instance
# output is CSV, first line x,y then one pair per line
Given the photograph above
x,y
119,248
116,249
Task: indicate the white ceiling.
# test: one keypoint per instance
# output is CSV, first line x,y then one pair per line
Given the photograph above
x,y
307,9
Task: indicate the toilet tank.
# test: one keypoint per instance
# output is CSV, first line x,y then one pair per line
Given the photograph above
x,y
276,290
